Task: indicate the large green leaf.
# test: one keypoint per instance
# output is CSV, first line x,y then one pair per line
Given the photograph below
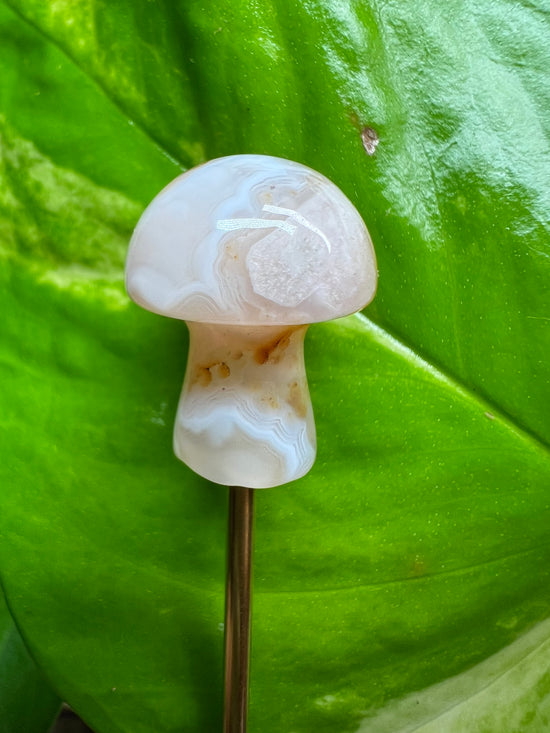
x,y
417,548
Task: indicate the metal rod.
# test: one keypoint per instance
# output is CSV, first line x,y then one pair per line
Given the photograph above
x,y
237,608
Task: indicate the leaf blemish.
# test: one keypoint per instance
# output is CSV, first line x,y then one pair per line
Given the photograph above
x,y
370,140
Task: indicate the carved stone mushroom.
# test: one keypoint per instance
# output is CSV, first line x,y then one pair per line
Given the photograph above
x,y
249,250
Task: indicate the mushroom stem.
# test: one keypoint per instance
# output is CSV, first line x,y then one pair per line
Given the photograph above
x,y
245,416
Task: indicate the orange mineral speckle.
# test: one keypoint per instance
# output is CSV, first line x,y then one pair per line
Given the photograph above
x,y
223,370
230,252
206,372
203,376
273,351
296,399
261,355
271,401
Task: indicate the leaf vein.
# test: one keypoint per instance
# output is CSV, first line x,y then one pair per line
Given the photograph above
x,y
414,578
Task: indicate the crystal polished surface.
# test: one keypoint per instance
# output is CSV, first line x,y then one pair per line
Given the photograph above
x,y
245,416
254,240
249,250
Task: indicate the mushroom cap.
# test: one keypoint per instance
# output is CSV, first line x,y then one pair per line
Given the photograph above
x,y
251,240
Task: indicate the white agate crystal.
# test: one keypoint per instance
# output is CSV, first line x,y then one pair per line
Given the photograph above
x,y
249,250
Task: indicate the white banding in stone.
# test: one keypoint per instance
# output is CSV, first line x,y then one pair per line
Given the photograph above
x,y
207,240
248,250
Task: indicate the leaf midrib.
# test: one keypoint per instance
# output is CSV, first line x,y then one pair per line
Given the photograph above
x,y
406,579
405,350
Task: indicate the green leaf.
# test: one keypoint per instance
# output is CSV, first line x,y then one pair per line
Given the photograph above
x,y
507,692
27,703
417,548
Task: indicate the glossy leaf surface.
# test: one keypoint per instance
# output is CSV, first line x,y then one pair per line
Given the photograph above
x,y
417,547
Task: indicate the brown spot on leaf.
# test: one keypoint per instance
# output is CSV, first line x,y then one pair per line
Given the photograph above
x,y
370,140
418,566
